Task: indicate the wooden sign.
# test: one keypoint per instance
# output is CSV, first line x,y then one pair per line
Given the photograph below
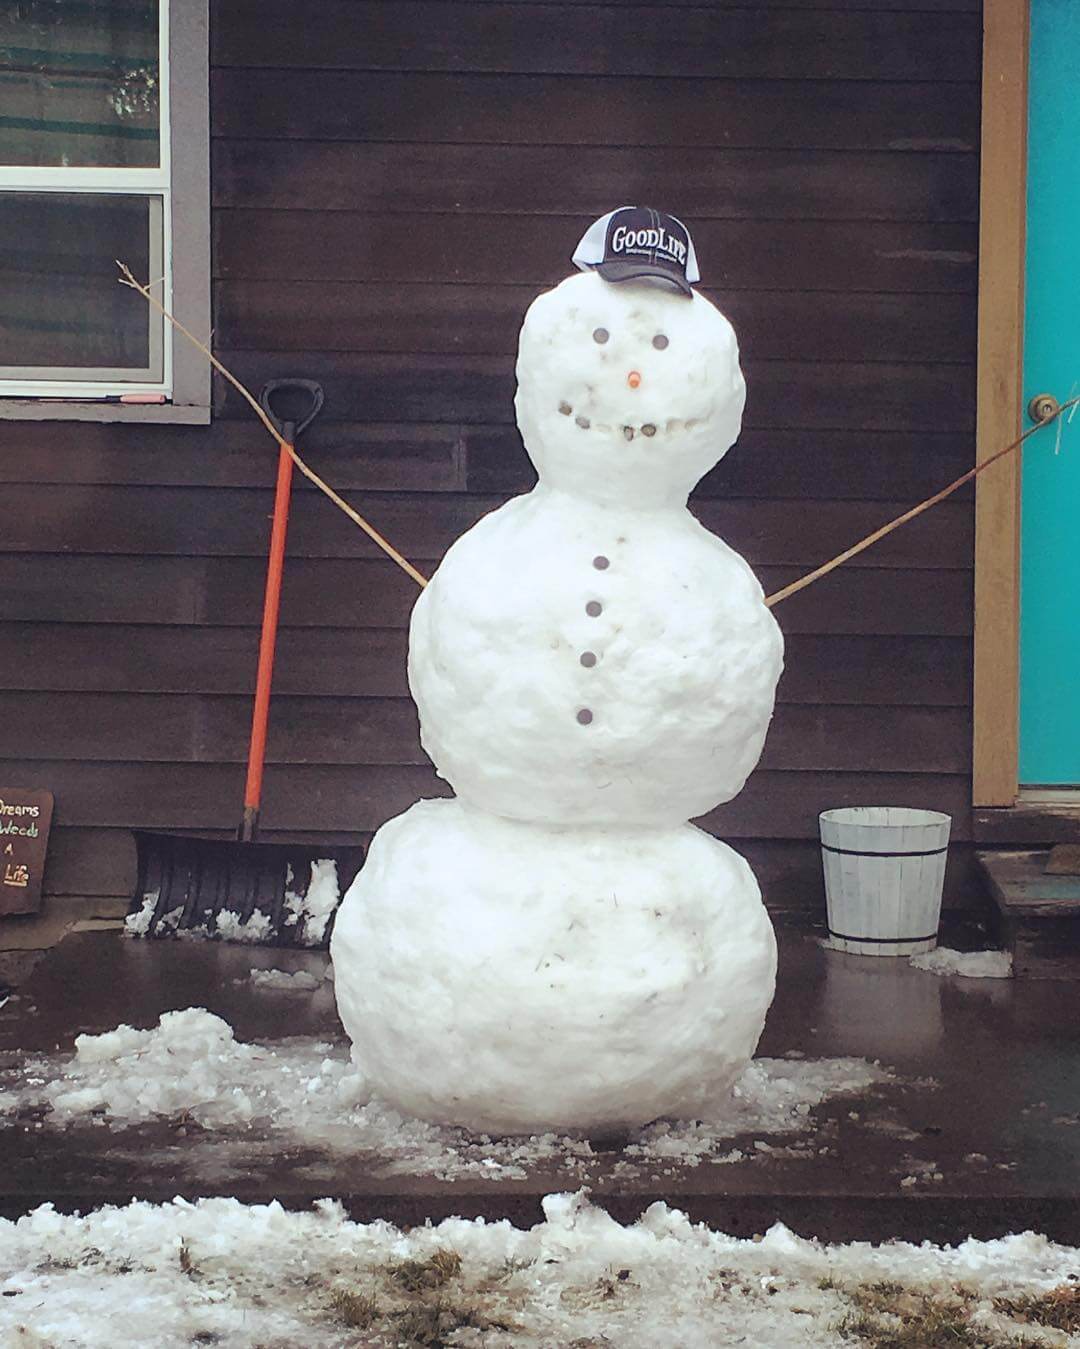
x,y
25,817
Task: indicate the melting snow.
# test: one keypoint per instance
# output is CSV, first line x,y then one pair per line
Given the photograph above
x,y
219,1272
300,982
968,964
191,1064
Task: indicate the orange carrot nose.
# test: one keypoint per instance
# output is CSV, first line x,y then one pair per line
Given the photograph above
x,y
633,379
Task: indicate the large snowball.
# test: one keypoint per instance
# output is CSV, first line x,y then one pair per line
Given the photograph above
x,y
536,707
511,978
636,417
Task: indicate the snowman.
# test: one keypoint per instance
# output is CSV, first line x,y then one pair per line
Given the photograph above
x,y
556,947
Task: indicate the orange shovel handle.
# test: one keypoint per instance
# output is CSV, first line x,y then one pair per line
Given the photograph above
x,y
268,641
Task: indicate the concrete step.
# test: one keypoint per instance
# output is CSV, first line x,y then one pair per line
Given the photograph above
x,y
1039,908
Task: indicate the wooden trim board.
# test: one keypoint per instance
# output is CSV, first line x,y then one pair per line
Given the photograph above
x,y
998,417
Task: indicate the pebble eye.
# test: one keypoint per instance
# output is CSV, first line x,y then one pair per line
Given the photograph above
x,y
600,335
659,341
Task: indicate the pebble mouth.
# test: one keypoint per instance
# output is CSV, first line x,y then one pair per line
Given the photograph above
x,y
628,431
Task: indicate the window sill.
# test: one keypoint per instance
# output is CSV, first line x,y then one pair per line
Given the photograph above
x,y
72,410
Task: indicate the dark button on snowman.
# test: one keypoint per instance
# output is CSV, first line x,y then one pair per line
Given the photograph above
x,y
557,947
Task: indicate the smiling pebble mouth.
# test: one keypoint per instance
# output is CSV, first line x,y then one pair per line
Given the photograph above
x,y
629,432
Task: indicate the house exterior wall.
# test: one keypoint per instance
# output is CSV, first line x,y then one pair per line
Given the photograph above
x,y
392,183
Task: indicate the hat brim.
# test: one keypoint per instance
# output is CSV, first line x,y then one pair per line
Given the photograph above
x,y
630,269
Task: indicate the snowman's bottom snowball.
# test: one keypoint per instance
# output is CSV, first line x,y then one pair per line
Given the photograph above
x,y
512,978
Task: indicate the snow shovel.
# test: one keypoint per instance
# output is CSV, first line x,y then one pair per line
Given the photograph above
x,y
279,894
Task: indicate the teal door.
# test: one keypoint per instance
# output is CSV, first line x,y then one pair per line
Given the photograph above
x,y
1050,514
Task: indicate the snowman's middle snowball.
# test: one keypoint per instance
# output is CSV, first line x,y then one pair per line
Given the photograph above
x,y
513,978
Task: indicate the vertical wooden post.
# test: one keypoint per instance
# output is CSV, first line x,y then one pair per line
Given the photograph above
x,y
998,419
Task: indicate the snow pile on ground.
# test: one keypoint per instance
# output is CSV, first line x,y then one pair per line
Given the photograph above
x,y
968,964
191,1066
772,1096
219,1272
299,982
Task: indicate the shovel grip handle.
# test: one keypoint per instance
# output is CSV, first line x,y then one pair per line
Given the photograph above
x,y
311,391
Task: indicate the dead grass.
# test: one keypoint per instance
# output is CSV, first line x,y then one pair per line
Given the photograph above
x,y
358,1311
414,1276
431,1322
187,1263
1058,1309
415,1306
889,1315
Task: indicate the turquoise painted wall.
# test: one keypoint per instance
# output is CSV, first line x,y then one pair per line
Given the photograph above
x,y
1050,528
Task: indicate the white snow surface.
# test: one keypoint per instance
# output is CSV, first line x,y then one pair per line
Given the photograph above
x,y
315,905
685,660
512,978
217,1271
589,653
967,964
306,1091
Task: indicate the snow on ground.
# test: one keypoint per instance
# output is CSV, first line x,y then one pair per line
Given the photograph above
x,y
191,1065
219,1272
299,982
969,964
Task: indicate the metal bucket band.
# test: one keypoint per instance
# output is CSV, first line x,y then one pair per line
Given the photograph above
x,y
881,941
855,852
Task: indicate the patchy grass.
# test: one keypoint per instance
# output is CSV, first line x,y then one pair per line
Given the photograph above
x,y
1059,1309
934,1324
433,1322
415,1306
414,1276
889,1315
358,1311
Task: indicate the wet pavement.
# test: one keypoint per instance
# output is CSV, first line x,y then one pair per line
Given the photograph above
x,y
977,1132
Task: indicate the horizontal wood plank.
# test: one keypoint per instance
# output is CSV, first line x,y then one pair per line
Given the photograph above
x,y
480,390
414,179
774,464
396,457
731,43
142,658
326,798
365,594
370,663
200,728
469,108
866,255
486,320
234,522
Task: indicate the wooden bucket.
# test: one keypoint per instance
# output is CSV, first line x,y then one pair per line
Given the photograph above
x,y
884,872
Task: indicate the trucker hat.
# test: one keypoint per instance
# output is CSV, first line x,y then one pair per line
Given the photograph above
x,y
639,241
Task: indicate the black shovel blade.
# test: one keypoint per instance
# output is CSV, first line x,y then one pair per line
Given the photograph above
x,y
267,894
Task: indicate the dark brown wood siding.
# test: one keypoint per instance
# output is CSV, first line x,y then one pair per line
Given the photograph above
x,y
392,182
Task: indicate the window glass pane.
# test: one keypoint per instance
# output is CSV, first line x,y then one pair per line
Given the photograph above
x,y
79,83
60,302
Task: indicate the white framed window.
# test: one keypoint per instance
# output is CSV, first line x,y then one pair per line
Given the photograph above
x,y
104,155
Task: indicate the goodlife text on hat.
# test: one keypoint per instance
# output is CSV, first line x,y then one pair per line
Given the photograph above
x,y
645,241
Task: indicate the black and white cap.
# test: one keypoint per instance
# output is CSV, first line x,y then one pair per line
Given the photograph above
x,y
638,241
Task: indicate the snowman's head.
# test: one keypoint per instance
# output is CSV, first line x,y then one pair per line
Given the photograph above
x,y
627,393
